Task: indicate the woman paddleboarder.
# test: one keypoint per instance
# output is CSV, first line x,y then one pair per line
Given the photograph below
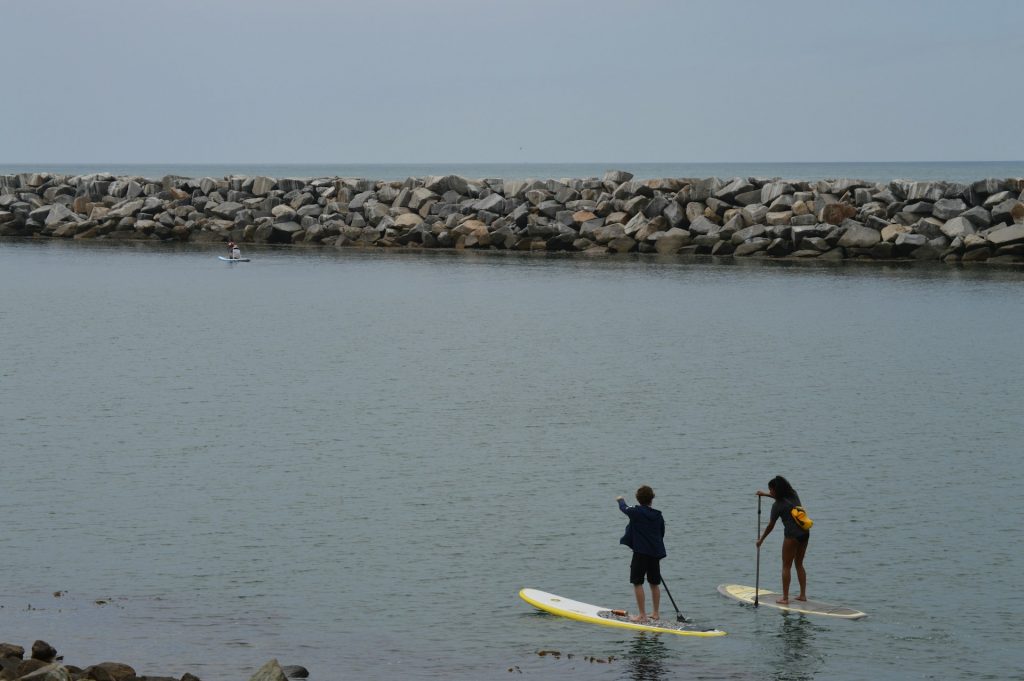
x,y
794,543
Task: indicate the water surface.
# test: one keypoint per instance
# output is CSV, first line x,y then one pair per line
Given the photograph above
x,y
354,460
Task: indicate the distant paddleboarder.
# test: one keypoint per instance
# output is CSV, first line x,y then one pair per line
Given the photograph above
x,y
645,535
234,252
794,543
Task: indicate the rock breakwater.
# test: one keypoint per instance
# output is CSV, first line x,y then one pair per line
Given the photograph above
x,y
739,217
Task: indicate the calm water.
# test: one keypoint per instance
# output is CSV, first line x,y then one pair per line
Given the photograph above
x,y
959,171
354,460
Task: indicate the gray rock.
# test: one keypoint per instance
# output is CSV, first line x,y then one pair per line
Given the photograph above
x,y
1008,211
493,203
989,185
926,252
747,233
261,186
54,671
754,214
774,190
909,242
617,176
672,240
514,189
736,186
947,209
859,237
271,671
778,247
419,196
702,225
779,217
928,191
998,198
752,246
226,210
126,208
919,208
698,190
748,198
979,216
958,226
1004,236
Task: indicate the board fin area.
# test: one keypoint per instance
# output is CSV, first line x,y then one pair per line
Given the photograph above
x,y
765,598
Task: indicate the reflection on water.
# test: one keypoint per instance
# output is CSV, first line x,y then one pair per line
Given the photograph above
x,y
646,658
796,657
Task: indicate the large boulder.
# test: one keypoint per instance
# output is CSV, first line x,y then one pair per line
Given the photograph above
x,y
1004,236
110,671
752,246
41,650
835,213
271,671
957,227
226,210
49,672
859,237
672,240
617,176
261,186
947,209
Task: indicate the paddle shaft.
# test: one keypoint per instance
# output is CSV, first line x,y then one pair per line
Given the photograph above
x,y
757,562
679,615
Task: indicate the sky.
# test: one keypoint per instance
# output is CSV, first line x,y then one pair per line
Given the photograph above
x,y
482,81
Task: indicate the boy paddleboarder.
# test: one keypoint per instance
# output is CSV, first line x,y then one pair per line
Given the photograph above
x,y
645,535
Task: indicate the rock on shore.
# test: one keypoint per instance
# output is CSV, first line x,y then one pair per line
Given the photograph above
x,y
45,665
737,217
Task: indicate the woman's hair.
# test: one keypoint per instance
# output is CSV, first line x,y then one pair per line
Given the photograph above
x,y
781,487
645,495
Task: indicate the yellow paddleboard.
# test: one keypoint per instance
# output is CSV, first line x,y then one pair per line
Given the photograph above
x,y
585,612
745,594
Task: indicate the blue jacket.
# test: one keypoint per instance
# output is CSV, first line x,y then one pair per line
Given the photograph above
x,y
646,530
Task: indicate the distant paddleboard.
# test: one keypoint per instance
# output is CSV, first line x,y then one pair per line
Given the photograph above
x,y
233,259
593,614
766,599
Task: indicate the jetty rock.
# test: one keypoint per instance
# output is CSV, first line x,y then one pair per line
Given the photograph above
x,y
737,217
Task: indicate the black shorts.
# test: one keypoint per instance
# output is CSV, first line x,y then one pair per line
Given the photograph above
x,y
644,565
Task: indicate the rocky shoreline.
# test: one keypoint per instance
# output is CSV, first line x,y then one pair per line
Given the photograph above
x,y
840,219
44,664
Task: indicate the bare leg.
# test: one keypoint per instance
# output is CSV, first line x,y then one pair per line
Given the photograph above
x,y
638,590
789,547
801,575
655,601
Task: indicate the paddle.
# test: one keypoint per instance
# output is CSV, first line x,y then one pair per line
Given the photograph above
x,y
757,569
679,615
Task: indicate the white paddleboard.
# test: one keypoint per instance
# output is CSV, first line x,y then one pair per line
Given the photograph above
x,y
765,598
585,612
233,259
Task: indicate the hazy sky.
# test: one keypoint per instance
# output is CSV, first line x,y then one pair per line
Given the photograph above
x,y
392,81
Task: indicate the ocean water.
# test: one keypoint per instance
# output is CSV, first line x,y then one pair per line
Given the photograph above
x,y
959,171
353,460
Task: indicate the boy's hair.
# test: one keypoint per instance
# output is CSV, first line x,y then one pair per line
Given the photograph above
x,y
645,495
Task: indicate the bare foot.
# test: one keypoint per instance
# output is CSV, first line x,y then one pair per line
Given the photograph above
x,y
638,618
783,601
655,616
801,598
